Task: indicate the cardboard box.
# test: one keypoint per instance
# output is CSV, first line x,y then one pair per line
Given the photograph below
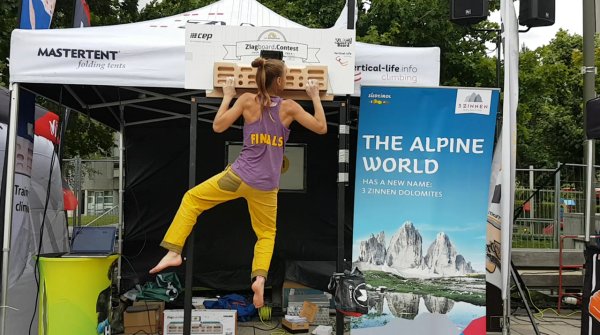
x,y
204,321
143,317
308,311
295,327
296,292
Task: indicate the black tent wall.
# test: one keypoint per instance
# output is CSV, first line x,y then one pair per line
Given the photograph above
x,y
156,177
157,162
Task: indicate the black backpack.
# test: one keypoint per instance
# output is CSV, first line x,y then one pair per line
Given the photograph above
x,y
350,292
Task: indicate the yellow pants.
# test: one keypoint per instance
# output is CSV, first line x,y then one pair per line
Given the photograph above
x,y
223,187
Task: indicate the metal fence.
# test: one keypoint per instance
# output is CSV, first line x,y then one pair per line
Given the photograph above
x,y
556,209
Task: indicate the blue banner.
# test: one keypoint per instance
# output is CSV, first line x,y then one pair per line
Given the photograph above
x,y
420,210
36,14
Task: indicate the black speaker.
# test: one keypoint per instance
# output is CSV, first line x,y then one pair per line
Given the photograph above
x,y
592,119
537,13
468,11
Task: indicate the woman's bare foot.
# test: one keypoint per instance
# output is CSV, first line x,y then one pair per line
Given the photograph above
x,y
258,287
171,259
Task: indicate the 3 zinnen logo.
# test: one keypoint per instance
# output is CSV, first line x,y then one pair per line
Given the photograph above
x,y
473,101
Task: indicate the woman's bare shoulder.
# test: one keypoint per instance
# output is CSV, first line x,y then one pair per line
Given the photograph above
x,y
289,105
247,96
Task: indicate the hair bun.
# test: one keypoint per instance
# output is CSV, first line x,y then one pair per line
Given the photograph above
x,y
258,62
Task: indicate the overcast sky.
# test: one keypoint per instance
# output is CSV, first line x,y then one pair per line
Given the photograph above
x,y
568,16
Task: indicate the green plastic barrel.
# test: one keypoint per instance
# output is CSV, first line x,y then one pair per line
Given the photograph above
x,y
74,294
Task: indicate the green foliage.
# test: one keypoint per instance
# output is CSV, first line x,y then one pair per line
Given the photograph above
x,y
84,137
408,23
87,138
310,13
550,114
9,10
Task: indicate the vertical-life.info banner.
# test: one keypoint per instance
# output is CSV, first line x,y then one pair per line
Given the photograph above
x,y
420,208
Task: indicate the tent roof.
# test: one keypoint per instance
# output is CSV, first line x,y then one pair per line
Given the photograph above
x,y
99,86
141,65
143,54
230,12
149,53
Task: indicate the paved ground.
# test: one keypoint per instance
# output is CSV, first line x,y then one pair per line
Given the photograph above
x,y
550,324
270,328
568,323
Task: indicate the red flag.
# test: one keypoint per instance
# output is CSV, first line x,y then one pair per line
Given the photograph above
x,y
47,126
69,198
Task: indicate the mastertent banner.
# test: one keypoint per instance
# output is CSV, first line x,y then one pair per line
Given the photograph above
x,y
422,179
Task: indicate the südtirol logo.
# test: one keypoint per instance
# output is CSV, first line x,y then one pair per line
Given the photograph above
x,y
473,101
379,98
86,58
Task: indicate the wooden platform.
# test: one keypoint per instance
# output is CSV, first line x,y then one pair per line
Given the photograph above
x,y
545,258
539,267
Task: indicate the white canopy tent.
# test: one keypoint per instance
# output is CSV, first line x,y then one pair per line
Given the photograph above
x,y
129,74
151,53
143,54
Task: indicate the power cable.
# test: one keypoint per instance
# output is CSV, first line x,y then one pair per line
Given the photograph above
x,y
36,268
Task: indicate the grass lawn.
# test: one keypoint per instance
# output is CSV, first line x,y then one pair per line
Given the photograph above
x,y
105,220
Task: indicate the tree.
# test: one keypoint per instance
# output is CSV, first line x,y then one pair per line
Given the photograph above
x,y
87,138
97,139
550,112
9,10
408,23
309,13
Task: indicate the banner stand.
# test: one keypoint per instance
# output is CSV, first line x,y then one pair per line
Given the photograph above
x,y
422,178
521,286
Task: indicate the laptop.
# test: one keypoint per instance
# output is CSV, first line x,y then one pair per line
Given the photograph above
x,y
92,242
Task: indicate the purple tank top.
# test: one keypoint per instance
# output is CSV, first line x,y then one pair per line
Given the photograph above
x,y
259,162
